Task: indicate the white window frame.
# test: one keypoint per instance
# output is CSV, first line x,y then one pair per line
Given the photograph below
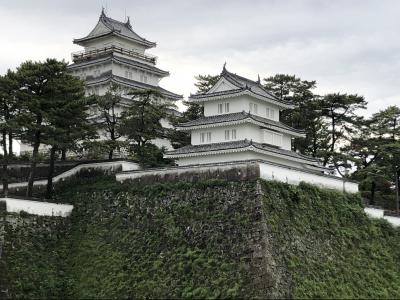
x,y
278,139
209,136
227,135
272,114
202,137
226,107
220,106
233,134
253,108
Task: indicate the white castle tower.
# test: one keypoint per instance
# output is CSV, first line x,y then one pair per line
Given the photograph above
x,y
114,53
241,123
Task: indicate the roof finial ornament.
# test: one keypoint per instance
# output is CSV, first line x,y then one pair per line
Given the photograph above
x,y
128,22
224,67
103,13
258,80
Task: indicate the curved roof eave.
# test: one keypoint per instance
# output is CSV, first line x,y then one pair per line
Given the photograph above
x,y
233,93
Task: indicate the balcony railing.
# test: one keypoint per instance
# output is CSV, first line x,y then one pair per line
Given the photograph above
x,y
88,54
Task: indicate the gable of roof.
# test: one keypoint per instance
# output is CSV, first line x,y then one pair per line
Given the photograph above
x,y
242,82
241,85
108,26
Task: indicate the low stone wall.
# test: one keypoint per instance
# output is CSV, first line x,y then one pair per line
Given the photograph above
x,y
236,171
37,207
230,172
109,167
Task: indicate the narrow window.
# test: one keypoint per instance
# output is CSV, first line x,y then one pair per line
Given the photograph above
x,y
277,139
255,109
202,137
126,74
227,107
208,136
220,108
267,112
233,134
145,78
251,107
227,135
272,114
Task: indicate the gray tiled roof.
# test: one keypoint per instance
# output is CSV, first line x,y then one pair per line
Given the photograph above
x,y
225,118
239,145
115,58
108,77
242,84
118,28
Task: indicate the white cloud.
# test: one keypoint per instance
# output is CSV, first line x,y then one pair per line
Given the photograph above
x,y
346,46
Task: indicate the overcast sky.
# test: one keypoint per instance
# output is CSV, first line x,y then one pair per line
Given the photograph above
x,y
346,46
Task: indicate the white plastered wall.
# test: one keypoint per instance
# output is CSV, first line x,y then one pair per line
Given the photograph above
x,y
239,104
292,176
37,207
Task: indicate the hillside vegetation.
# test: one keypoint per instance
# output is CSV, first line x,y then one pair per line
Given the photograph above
x,y
212,239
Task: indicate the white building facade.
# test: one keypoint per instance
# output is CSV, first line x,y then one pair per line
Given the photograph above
x,y
242,123
115,54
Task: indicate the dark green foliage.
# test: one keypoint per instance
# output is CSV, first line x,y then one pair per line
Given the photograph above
x,y
108,120
374,149
300,92
30,265
199,241
332,249
205,82
141,123
152,156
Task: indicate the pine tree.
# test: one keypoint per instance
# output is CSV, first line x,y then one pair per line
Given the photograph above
x,y
37,91
109,119
141,121
67,123
8,126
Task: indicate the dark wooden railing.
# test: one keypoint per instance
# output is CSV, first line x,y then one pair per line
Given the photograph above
x,y
88,54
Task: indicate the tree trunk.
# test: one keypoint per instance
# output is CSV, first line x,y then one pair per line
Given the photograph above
x,y
397,190
110,154
373,187
49,188
63,154
10,143
35,154
5,164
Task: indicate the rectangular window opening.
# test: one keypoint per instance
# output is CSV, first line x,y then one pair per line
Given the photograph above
x,y
208,136
227,135
220,108
233,134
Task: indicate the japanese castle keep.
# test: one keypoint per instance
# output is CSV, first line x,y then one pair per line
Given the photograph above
x,y
114,53
241,123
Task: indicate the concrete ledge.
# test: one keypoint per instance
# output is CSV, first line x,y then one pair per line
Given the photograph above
x,y
37,207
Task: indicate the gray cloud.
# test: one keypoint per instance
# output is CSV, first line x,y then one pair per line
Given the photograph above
x,y
346,46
